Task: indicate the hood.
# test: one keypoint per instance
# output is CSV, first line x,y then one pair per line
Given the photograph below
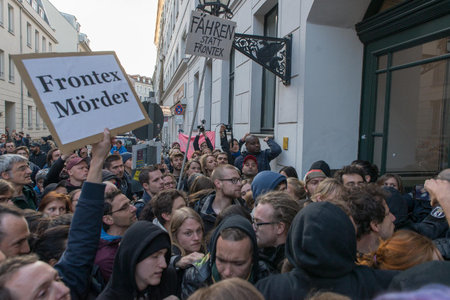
x,y
236,221
398,206
136,240
266,181
322,241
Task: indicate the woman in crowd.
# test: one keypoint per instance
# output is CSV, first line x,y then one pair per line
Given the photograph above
x,y
74,196
192,167
289,172
55,204
6,192
208,163
187,235
140,266
402,251
246,193
392,180
296,189
328,189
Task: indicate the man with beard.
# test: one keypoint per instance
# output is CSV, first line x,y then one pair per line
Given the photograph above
x,y
37,156
227,182
114,164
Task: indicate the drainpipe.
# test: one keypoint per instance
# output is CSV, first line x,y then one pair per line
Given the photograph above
x,y
21,82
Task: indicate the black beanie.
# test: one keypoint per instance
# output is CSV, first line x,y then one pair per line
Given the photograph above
x,y
162,241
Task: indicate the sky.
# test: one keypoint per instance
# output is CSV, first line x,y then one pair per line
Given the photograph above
x,y
124,26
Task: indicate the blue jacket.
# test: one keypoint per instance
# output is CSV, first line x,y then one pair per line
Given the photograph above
x,y
264,157
76,263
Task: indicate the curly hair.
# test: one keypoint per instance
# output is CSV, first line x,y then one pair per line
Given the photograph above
x,y
367,204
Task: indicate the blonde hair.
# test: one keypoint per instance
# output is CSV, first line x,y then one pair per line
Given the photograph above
x,y
298,187
177,220
326,188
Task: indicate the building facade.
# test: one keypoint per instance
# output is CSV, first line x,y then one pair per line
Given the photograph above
x,y
369,81
143,86
29,26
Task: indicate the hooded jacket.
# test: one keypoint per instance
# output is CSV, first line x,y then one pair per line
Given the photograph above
x,y
266,181
200,274
122,284
321,246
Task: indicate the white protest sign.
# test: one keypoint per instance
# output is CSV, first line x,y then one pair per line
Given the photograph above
x,y
210,36
80,94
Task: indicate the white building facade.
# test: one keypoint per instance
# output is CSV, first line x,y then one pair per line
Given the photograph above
x,y
29,26
347,95
143,86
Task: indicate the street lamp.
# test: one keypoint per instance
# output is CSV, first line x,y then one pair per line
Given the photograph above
x,y
215,7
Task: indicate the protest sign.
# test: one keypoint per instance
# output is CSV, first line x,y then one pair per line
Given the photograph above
x,y
80,94
210,36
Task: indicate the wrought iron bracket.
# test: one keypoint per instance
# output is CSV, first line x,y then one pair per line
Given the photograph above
x,y
274,54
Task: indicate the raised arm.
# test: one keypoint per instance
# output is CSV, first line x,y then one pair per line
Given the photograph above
x,y
76,263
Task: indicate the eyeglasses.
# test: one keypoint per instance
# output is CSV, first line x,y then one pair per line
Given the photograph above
x,y
123,208
256,225
232,180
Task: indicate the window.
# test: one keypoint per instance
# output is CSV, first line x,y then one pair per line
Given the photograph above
x,y
405,115
36,41
268,78
44,44
34,5
2,64
28,34
50,47
1,12
231,88
10,19
30,116
38,119
11,69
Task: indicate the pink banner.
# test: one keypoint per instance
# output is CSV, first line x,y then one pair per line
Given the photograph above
x,y
183,139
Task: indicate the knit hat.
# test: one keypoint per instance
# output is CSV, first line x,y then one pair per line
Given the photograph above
x,y
126,156
158,243
321,165
315,173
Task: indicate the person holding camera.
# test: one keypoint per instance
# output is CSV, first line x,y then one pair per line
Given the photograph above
x,y
204,145
232,147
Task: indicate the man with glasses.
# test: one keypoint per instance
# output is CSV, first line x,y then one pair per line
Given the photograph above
x,y
118,216
14,169
10,147
227,183
272,218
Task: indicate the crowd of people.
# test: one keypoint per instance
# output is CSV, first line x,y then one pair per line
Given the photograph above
x,y
84,225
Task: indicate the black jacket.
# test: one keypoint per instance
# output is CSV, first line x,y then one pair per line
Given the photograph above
x,y
321,245
427,273
200,274
122,284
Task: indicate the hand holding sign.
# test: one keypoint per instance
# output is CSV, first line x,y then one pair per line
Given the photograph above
x,y
79,94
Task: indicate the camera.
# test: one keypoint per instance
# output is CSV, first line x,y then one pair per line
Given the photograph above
x,y
201,127
228,127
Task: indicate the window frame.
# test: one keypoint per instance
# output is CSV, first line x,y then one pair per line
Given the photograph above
x,y
381,40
